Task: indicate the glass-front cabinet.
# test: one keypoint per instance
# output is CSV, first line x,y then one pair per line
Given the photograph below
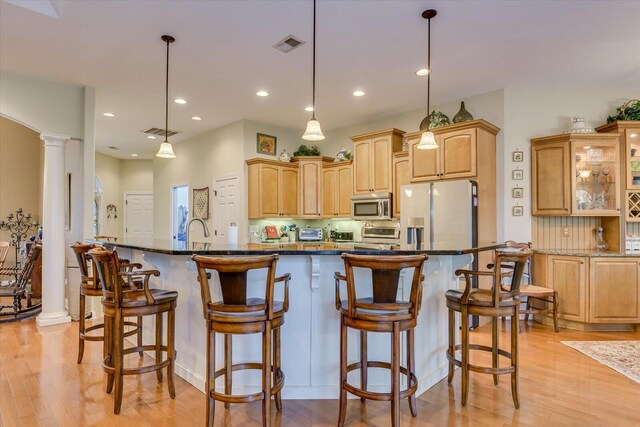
x,y
576,174
596,175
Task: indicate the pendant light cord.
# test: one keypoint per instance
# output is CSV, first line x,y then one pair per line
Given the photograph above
x,y
429,69
166,99
313,114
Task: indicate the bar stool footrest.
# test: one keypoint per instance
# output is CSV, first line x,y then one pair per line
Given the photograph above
x,y
385,397
477,368
139,370
246,398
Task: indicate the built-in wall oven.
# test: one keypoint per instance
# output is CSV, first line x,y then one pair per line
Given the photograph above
x,y
374,206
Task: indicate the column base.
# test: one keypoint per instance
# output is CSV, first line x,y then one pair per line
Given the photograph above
x,y
52,319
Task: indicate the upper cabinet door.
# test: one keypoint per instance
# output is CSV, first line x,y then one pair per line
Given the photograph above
x,y
288,192
362,167
344,191
458,151
425,164
550,185
310,203
329,188
381,166
269,190
400,177
632,156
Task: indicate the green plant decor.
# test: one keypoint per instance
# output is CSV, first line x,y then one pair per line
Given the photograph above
x,y
630,110
303,150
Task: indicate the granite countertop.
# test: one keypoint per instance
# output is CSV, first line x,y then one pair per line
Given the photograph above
x,y
170,247
584,253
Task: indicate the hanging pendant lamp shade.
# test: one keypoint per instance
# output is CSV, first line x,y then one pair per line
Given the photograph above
x,y
313,131
428,140
166,149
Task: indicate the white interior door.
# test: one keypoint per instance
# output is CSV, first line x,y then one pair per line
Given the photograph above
x,y
225,206
138,218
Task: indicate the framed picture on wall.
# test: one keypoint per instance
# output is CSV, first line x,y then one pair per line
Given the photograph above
x,y
266,144
518,210
517,193
517,174
517,156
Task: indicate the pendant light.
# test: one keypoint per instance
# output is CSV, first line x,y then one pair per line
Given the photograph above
x,y
166,150
313,131
428,139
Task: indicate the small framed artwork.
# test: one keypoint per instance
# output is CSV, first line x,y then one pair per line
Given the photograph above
x,y
518,211
517,156
517,193
266,144
517,174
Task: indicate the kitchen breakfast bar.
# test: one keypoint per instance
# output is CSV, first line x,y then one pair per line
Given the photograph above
x,y
310,336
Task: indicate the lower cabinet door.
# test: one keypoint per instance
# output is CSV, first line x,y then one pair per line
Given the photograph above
x,y
613,293
568,276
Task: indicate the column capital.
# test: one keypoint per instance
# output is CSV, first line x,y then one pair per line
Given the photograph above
x,y
54,139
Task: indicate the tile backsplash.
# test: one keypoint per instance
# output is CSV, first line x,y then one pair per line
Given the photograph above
x,y
327,224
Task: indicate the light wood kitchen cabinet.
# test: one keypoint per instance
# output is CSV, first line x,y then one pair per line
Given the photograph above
x,y
460,148
629,138
273,189
401,176
613,290
576,174
568,276
372,161
310,184
337,185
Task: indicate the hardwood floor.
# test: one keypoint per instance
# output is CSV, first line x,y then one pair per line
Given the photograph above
x,y
41,384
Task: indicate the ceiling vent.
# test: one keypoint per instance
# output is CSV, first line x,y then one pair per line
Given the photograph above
x,y
159,132
113,147
288,43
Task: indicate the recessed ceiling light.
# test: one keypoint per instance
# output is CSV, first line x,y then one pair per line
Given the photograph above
x,y
633,135
196,118
179,101
309,109
108,114
358,93
262,93
134,155
151,137
422,72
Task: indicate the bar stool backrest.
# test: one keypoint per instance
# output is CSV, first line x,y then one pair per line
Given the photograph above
x,y
233,283
81,250
516,261
385,273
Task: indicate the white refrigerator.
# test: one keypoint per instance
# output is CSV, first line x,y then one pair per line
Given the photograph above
x,y
447,209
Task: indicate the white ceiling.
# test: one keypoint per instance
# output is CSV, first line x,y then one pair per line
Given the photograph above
x,y
223,55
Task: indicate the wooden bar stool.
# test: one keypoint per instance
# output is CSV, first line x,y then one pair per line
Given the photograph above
x,y
120,301
495,303
237,314
90,287
382,312
533,294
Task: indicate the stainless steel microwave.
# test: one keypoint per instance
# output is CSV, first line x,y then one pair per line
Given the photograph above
x,y
371,206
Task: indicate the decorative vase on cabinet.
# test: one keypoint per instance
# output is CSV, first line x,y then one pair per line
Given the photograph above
x,y
462,115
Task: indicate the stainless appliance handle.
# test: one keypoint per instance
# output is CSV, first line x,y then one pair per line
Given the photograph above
x,y
380,211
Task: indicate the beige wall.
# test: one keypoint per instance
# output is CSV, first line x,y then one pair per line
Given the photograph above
x,y
118,176
20,174
198,160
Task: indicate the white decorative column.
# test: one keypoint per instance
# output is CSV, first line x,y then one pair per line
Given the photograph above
x,y
53,240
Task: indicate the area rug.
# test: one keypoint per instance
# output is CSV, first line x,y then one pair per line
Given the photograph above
x,y
621,356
